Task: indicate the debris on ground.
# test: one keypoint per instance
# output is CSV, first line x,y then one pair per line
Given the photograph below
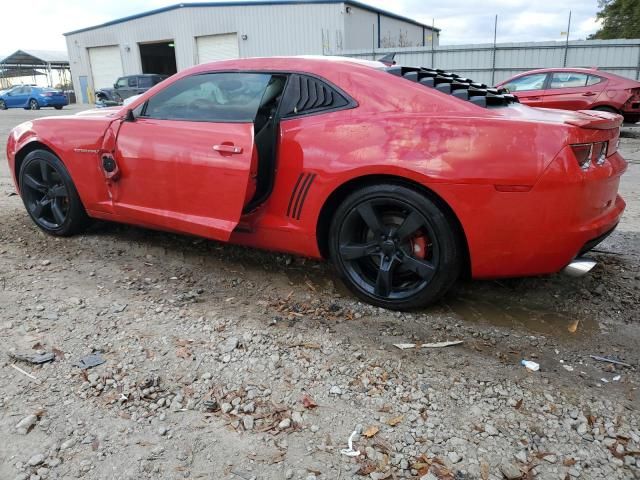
x,y
90,361
610,360
532,366
350,452
407,346
34,358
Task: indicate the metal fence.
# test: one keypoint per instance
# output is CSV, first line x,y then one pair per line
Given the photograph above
x,y
491,63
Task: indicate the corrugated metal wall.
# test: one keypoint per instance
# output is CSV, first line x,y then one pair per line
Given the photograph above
x,y
491,64
270,30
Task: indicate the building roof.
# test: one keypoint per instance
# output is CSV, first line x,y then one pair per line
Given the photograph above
x,y
357,4
33,58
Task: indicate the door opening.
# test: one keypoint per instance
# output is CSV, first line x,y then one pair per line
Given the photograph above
x,y
159,57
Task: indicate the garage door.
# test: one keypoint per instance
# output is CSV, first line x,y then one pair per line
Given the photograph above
x,y
217,47
106,65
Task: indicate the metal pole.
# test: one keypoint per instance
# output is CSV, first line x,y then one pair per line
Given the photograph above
x,y
373,42
566,46
638,67
433,43
495,37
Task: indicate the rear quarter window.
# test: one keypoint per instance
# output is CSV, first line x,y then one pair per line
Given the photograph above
x,y
594,80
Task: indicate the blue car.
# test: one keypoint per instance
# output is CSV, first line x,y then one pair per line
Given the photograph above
x,y
32,97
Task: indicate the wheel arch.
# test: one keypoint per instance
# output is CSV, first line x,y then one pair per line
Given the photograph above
x,y
342,191
605,106
25,150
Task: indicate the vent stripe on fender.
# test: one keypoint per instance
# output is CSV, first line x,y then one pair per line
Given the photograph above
x,y
299,194
293,194
304,194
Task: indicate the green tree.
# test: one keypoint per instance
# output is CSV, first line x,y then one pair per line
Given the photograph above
x,y
620,19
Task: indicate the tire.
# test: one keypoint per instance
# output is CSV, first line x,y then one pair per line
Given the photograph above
x,y
3,105
58,107
33,104
604,108
49,195
395,248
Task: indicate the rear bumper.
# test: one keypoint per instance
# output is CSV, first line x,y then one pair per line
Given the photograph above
x,y
53,102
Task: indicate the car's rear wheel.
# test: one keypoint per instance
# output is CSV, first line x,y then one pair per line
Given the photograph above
x,y
50,196
394,247
33,104
3,106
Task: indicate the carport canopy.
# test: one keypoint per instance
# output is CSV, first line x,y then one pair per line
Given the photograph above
x,y
29,63
35,59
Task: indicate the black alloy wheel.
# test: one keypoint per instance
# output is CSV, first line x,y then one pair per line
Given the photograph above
x,y
49,195
394,247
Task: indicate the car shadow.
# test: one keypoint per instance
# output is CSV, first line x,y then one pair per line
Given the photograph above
x,y
545,305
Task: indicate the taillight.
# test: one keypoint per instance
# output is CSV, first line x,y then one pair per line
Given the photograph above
x,y
599,154
583,153
588,154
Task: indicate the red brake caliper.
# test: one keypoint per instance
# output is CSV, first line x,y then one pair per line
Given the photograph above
x,y
419,247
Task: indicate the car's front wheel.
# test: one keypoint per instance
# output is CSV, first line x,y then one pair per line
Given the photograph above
x,y
3,105
395,247
49,194
33,104
58,107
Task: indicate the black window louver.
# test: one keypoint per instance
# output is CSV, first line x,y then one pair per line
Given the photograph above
x,y
307,95
456,85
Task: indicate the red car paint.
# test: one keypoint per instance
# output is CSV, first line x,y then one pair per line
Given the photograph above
x,y
508,174
601,90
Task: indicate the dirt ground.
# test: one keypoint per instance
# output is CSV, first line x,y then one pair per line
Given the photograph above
x,y
228,363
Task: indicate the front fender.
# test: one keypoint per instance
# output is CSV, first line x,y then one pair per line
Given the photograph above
x,y
76,140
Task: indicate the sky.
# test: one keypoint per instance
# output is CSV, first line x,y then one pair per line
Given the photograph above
x,y
462,21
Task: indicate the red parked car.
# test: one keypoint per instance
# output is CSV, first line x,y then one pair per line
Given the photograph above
x,y
577,89
406,178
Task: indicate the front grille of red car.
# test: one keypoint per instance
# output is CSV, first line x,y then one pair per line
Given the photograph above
x,y
460,87
299,194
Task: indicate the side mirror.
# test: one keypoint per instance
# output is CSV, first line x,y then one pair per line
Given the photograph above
x,y
129,116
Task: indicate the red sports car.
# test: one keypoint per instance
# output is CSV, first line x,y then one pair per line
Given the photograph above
x,y
577,89
406,178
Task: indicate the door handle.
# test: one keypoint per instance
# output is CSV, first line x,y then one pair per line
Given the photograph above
x,y
227,148
532,98
588,94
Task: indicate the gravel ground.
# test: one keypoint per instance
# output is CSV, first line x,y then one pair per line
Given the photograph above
x,y
228,363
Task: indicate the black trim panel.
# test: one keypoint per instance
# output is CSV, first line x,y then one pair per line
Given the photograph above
x,y
299,195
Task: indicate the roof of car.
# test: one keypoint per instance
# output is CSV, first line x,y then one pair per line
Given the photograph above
x,y
587,70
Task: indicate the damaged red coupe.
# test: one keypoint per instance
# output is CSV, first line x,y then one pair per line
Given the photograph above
x,y
406,178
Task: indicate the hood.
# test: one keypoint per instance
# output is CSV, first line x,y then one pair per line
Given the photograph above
x,y
108,112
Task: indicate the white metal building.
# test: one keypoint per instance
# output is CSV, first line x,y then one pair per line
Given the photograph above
x,y
176,37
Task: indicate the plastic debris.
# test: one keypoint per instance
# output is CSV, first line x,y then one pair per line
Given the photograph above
x,y
23,372
35,358
350,452
90,361
533,366
617,378
568,368
406,346
442,344
609,360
